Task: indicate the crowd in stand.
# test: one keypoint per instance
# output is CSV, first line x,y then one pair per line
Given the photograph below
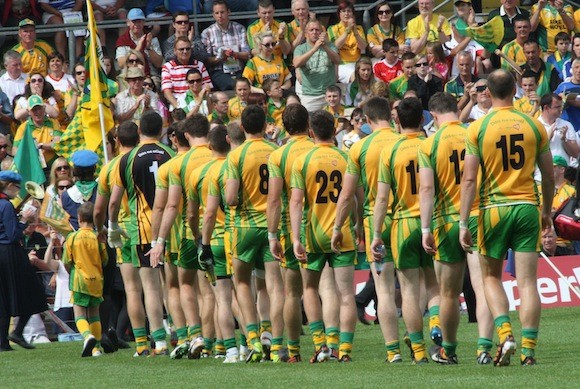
x,y
333,66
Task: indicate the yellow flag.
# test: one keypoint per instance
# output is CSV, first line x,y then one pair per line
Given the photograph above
x,y
489,35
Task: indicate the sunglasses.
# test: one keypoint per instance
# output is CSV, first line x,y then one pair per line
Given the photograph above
x,y
134,61
80,72
64,187
360,120
36,80
181,22
420,64
62,168
148,84
385,12
184,49
480,88
136,79
269,45
3,146
194,80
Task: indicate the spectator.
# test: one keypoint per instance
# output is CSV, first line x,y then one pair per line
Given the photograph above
x,y
37,86
173,74
4,147
16,11
514,49
240,100
385,28
357,119
227,46
349,39
427,27
334,106
562,192
464,81
561,54
276,105
529,103
235,5
567,72
76,91
391,66
149,85
563,138
136,100
315,62
398,85
549,17
360,89
266,64
267,23
424,82
45,131
546,76
21,291
14,80
195,99
437,60
34,52
109,9
479,102
56,76
136,38
85,187
296,28
509,12
53,14
134,59
219,113
182,27
60,169
6,118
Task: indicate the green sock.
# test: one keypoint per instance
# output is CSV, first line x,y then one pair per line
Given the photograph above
x,y
346,339
252,331
317,332
230,343
207,344
265,325
529,341
393,348
294,347
332,337
434,317
159,335
418,345
243,340
181,333
141,341
450,348
219,346
194,331
277,343
503,327
484,344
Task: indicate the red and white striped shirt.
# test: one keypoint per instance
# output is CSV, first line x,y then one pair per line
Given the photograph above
x,y
173,76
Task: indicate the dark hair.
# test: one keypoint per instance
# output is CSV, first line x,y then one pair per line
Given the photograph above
x,y
127,134
181,39
220,2
561,36
196,125
295,119
570,174
85,212
531,42
407,56
112,75
322,125
501,84
217,139
257,99
178,114
179,133
389,43
268,83
55,54
151,124
334,89
253,119
236,133
193,71
520,18
180,13
84,173
265,3
377,108
243,79
548,98
442,102
47,88
342,5
356,112
410,112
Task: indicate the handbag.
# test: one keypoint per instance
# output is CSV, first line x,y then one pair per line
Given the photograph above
x,y
567,217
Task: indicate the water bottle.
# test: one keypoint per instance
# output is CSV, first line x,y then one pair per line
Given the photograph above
x,y
379,265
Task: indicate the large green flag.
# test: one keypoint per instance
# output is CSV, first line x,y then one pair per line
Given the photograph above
x,y
27,161
489,35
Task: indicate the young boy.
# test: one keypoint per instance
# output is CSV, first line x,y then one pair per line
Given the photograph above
x,y
85,257
562,53
334,106
237,103
398,86
391,66
530,101
276,107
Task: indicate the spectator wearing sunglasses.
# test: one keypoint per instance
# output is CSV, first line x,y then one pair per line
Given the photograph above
x,y
266,64
183,27
424,82
135,100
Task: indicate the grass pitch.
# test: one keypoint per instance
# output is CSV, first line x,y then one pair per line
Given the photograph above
x,y
59,365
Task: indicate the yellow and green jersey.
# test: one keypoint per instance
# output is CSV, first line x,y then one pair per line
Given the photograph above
x,y
216,187
444,153
514,51
280,166
35,60
319,173
363,161
235,108
179,176
274,114
105,183
349,52
162,183
550,24
137,174
524,105
259,69
87,257
257,27
376,35
199,185
398,86
508,143
399,167
249,165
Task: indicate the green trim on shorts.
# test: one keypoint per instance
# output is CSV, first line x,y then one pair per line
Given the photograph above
x,y
187,258
317,261
138,255
386,235
85,300
251,245
219,259
289,261
407,244
124,254
172,258
449,249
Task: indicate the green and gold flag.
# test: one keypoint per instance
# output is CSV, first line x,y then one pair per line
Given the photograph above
x,y
489,35
27,161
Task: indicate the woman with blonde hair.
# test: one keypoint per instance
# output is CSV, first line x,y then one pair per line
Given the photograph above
x,y
134,59
360,89
266,64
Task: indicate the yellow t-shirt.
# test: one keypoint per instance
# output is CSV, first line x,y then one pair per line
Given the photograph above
x,y
416,28
349,52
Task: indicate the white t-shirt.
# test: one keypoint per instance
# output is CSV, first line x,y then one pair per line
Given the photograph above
x,y
61,84
557,144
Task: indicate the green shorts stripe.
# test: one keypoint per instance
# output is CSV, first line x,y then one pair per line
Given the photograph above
x,y
317,261
221,268
188,255
407,246
251,245
85,300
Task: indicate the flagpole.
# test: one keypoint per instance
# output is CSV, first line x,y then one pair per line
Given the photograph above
x,y
103,132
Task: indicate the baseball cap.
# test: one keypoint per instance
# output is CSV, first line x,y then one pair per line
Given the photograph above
x,y
136,14
458,2
26,22
560,161
84,158
135,72
10,176
34,101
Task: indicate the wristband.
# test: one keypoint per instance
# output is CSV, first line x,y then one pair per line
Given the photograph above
x,y
463,224
425,230
153,243
160,240
337,228
113,225
272,235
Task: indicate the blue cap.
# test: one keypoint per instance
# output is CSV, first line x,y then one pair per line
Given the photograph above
x,y
366,129
136,14
10,176
85,158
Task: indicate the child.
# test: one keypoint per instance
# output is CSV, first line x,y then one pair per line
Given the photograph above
x,y
438,61
390,67
398,86
333,97
85,257
276,106
561,55
237,103
530,101
357,120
